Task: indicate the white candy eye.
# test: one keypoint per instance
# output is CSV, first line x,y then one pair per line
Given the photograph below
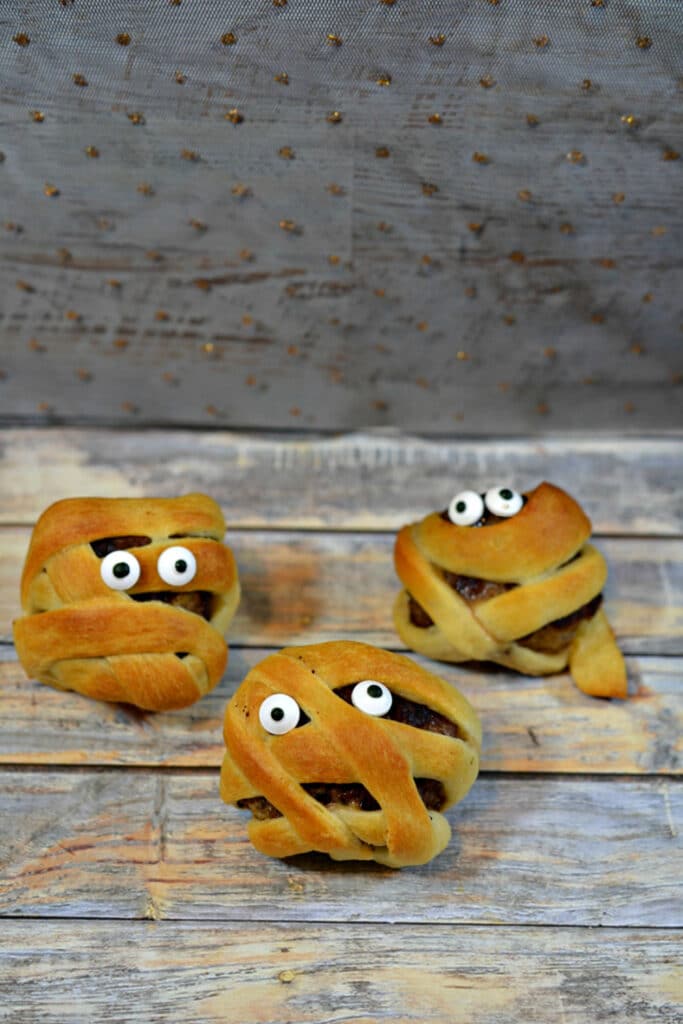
x,y
279,714
372,697
503,501
120,570
177,566
466,508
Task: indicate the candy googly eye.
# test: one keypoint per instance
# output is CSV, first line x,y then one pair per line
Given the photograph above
x,y
503,501
279,714
466,508
372,697
177,566
120,570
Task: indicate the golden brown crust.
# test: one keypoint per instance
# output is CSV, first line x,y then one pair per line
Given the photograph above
x,y
542,552
77,521
595,661
549,530
342,745
78,633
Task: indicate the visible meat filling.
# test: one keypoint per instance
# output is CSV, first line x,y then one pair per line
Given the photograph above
x,y
549,639
198,602
259,807
469,587
473,589
559,634
351,794
432,793
106,545
354,794
409,712
418,616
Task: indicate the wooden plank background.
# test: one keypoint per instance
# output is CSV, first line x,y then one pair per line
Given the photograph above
x,y
115,827
533,288
342,585
359,481
525,851
280,973
575,821
532,725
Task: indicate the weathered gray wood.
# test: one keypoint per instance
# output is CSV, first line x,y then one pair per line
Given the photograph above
x,y
356,481
530,725
554,851
306,587
54,973
461,263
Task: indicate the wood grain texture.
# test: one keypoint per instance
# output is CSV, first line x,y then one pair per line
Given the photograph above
x,y
280,973
112,821
303,586
530,725
132,844
358,316
354,481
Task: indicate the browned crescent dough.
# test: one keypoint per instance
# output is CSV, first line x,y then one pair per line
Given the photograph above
x,y
302,778
78,634
544,555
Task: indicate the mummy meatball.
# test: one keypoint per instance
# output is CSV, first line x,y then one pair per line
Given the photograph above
x,y
509,578
349,750
127,599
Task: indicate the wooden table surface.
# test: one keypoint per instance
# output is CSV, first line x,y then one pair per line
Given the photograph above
x,y
130,892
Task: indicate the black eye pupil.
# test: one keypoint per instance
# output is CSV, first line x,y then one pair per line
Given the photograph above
x,y
506,494
121,570
460,506
277,714
181,565
374,690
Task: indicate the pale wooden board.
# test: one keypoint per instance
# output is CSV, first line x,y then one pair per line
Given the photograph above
x,y
303,587
355,481
530,725
549,850
552,851
52,973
